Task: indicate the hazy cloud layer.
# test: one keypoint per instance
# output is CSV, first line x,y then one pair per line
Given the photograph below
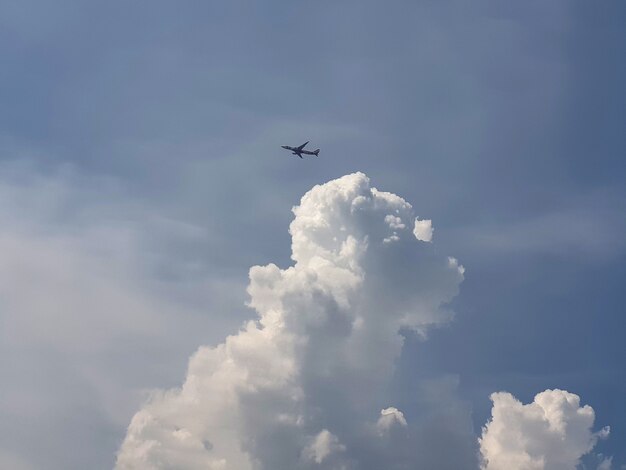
x,y
88,316
305,385
552,433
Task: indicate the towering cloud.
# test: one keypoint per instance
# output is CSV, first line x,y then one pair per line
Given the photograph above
x,y
553,433
305,385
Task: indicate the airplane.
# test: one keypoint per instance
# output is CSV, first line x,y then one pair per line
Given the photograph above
x,y
299,151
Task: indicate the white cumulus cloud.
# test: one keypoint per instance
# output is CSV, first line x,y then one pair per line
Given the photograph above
x,y
552,433
301,386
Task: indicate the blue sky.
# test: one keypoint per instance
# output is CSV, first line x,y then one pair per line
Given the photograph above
x,y
143,138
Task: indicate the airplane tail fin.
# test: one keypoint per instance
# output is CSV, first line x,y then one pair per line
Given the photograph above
x,y
316,152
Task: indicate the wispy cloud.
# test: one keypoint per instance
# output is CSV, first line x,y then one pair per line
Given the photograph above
x,y
91,285
588,225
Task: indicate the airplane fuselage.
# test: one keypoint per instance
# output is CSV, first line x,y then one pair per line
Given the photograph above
x,y
299,151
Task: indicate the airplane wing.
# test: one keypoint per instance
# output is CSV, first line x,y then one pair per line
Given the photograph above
x,y
303,145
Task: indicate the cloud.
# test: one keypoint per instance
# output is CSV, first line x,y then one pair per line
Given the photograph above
x,y
389,418
553,433
303,385
86,313
323,445
423,230
587,224
604,463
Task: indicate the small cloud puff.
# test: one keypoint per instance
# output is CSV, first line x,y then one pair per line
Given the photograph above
x,y
423,230
390,418
322,446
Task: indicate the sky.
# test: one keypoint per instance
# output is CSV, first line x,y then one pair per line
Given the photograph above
x,y
141,177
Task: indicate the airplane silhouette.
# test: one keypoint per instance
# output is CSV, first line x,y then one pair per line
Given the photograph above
x,y
299,151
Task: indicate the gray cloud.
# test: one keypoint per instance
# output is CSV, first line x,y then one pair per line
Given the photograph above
x,y
582,226
92,285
